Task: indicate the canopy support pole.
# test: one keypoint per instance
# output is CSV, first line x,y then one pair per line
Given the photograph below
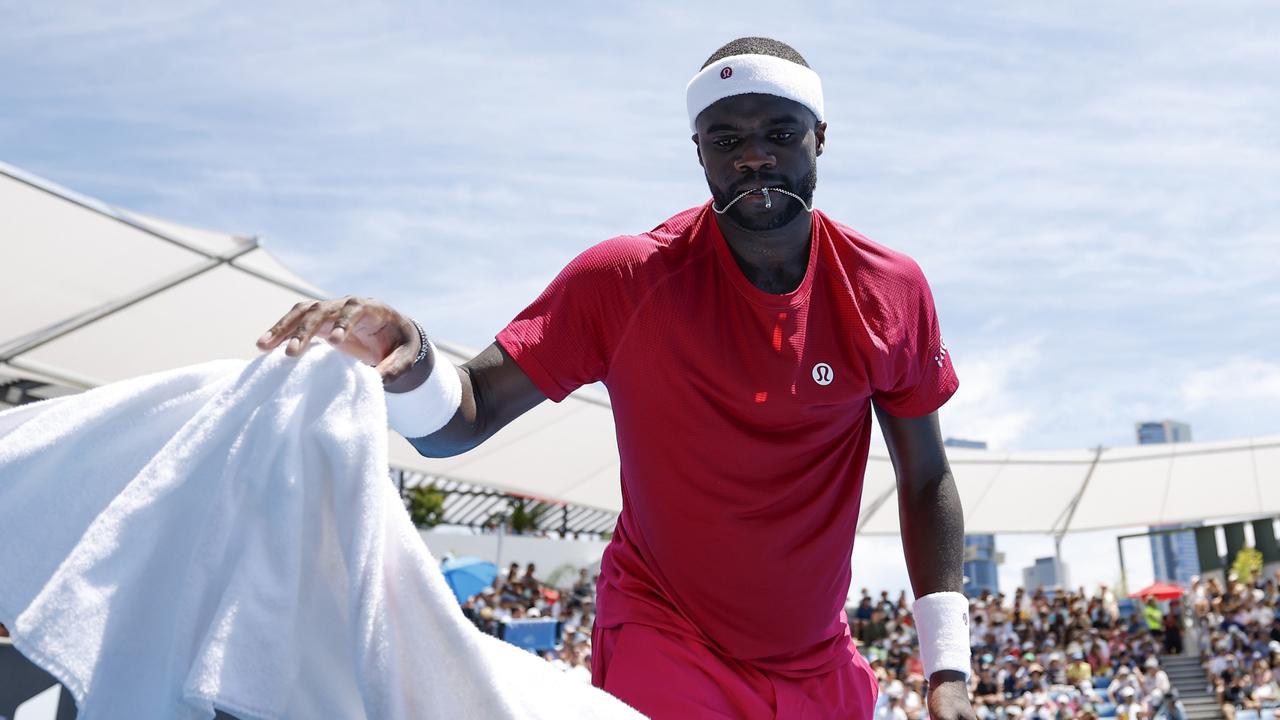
x,y
1124,578
69,325
1071,513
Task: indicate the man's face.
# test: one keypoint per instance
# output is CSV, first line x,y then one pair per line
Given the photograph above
x,y
752,141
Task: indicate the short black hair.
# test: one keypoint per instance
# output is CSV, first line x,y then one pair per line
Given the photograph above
x,y
757,46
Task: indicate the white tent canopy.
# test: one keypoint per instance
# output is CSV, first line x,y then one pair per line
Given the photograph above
x,y
102,294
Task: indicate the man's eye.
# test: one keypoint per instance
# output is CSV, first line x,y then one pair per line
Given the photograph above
x,y
782,136
724,142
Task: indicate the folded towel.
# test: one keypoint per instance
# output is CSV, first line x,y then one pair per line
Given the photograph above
x,y
226,535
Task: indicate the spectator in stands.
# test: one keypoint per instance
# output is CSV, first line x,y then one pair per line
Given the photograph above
x,y
1129,705
861,614
1035,681
1234,694
582,589
1168,707
1266,691
1010,677
530,583
977,622
1055,673
875,630
1124,679
892,709
1173,629
1079,671
1154,679
913,698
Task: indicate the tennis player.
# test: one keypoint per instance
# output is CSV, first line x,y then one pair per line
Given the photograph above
x,y
745,344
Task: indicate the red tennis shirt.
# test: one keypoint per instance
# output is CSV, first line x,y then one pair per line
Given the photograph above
x,y
743,420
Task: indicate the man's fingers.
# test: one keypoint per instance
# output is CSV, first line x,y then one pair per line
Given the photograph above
x,y
284,325
351,311
311,323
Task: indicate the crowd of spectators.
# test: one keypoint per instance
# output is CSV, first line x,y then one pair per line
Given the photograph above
x,y
1047,656
1239,631
520,595
1036,655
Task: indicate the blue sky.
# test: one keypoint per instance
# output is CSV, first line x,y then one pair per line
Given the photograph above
x,y
1092,188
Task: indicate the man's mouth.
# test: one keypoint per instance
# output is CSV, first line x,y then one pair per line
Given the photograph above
x,y
758,186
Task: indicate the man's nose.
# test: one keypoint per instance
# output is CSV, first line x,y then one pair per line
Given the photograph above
x,y
754,158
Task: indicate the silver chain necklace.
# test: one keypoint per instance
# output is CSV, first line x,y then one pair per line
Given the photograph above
x,y
768,201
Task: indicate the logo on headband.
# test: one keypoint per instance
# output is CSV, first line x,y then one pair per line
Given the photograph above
x,y
726,73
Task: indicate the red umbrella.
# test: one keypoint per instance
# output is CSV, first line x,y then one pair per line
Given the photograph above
x,y
1160,590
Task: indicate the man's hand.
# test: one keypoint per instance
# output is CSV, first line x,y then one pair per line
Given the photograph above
x,y
949,697
366,329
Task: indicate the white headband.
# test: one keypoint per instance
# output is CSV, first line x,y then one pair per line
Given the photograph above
x,y
764,74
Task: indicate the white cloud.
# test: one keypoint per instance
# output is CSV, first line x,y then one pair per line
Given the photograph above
x,y
986,406
1238,380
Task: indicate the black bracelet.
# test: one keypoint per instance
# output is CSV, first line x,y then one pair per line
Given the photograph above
x,y
425,348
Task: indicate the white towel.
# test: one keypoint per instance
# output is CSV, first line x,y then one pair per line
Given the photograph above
x,y
226,535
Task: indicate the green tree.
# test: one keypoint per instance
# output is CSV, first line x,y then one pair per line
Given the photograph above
x,y
526,514
426,505
1247,566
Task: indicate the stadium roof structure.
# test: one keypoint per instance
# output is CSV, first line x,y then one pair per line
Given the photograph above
x,y
98,294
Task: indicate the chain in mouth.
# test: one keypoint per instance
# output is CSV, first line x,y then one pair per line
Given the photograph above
x,y
768,201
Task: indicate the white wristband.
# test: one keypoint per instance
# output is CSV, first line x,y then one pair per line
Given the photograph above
x,y
942,626
428,407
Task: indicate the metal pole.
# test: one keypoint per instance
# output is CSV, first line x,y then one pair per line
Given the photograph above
x,y
502,526
1057,562
1124,579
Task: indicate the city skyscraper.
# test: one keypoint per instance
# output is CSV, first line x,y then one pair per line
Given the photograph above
x,y
981,561
1044,574
1173,556
1163,431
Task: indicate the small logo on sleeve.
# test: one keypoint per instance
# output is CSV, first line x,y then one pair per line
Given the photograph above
x,y
823,374
726,73
941,357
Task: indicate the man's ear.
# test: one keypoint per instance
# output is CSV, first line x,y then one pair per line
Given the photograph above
x,y
820,136
694,138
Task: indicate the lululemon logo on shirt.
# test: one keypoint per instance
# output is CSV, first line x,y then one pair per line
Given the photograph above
x,y
823,374
941,357
726,73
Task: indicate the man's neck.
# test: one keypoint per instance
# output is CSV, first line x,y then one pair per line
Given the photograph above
x,y
773,260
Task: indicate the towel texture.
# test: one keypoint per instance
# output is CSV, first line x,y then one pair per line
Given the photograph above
x,y
226,535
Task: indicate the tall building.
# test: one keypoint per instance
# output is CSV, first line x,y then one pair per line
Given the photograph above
x,y
981,565
1163,431
1044,574
981,561
1173,556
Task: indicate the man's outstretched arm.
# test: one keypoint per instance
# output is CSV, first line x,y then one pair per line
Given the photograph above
x,y
932,523
494,390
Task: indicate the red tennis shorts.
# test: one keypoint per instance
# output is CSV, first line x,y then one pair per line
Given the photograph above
x,y
671,677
